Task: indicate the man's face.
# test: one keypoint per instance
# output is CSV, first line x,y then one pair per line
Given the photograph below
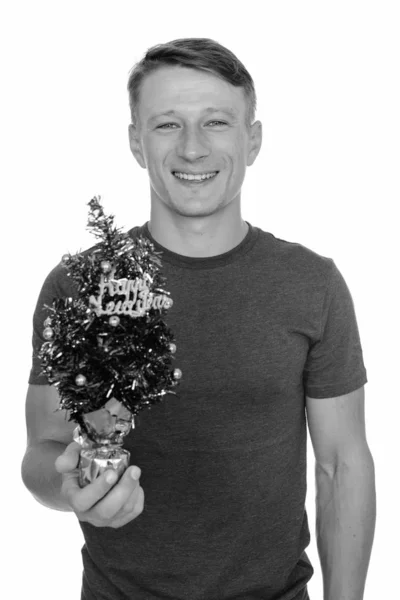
x,y
205,132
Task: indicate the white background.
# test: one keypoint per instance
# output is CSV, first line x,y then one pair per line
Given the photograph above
x,y
327,176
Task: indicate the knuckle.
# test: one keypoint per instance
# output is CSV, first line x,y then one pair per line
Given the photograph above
x,y
117,523
130,506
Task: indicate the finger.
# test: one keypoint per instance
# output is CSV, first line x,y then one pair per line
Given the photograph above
x,y
118,496
83,499
69,459
131,505
70,486
132,509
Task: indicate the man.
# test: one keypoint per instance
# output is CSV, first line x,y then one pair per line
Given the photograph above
x,y
265,330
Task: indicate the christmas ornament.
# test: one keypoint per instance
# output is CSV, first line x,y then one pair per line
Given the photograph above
x,y
109,351
48,333
105,266
80,380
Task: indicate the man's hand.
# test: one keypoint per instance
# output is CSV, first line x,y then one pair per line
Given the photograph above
x,y
97,503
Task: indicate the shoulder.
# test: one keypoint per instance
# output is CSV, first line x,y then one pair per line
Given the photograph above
x,y
296,263
299,255
58,281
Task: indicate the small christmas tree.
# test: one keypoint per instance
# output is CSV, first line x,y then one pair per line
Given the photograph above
x,y
110,341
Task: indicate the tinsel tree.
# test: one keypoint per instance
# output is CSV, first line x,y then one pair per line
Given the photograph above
x,y
110,339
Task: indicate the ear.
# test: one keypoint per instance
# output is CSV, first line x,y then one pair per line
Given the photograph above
x,y
136,147
255,141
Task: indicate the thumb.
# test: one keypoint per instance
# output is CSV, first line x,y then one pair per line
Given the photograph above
x,y
69,459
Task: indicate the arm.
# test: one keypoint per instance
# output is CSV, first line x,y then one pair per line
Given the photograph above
x,y
346,497
49,467
346,514
104,502
48,434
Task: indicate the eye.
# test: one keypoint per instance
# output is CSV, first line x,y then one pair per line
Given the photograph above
x,y
219,122
165,125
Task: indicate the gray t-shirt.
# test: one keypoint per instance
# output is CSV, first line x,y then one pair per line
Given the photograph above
x,y
224,462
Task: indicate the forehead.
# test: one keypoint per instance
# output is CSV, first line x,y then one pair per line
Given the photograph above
x,y
187,91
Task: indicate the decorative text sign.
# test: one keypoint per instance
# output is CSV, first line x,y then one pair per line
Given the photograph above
x,y
137,297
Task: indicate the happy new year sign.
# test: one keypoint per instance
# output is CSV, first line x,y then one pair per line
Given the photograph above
x,y
136,297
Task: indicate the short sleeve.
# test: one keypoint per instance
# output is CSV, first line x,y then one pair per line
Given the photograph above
x,y
56,285
334,364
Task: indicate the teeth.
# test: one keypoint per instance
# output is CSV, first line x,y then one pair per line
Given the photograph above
x,y
195,177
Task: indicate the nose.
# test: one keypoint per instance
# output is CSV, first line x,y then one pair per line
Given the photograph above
x,y
192,144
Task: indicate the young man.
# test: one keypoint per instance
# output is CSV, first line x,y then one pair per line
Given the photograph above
x,y
265,330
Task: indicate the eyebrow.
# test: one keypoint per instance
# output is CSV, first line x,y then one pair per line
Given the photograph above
x,y
210,109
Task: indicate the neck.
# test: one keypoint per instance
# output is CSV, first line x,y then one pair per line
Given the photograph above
x,y
197,237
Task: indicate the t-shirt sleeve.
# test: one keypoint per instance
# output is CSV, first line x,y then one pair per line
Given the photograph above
x,y
56,285
334,364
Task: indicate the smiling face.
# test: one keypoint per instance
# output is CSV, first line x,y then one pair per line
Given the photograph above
x,y
193,122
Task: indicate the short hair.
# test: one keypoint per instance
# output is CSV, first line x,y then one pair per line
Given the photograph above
x,y
202,54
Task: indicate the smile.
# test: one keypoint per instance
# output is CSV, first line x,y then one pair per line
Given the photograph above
x,y
195,178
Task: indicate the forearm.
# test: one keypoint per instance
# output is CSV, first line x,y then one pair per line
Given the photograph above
x,y
346,515
40,476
